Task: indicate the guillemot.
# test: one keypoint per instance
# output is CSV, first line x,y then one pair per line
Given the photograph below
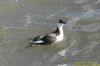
x,y
49,38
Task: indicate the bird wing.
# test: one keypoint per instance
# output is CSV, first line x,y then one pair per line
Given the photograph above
x,y
48,39
38,37
44,38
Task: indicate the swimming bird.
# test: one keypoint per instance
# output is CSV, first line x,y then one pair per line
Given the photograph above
x,y
49,38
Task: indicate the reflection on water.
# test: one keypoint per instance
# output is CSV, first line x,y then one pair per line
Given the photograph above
x,y
20,19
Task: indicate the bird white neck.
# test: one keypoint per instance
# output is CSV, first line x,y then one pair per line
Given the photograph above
x,y
61,34
60,26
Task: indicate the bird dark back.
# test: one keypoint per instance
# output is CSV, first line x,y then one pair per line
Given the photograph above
x,y
48,39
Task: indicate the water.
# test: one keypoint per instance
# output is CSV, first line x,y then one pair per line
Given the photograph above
x,y
20,19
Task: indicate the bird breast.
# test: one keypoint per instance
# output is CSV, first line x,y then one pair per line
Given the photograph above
x,y
59,38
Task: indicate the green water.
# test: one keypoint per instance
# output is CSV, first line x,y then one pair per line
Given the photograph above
x,y
20,19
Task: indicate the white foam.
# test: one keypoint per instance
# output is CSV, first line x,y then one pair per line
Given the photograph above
x,y
63,52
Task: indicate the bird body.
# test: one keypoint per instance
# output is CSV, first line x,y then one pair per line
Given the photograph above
x,y
49,38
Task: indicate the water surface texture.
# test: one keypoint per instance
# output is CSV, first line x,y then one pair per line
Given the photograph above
x,y
20,19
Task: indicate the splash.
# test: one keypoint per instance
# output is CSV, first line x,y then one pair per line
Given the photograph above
x,y
64,51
